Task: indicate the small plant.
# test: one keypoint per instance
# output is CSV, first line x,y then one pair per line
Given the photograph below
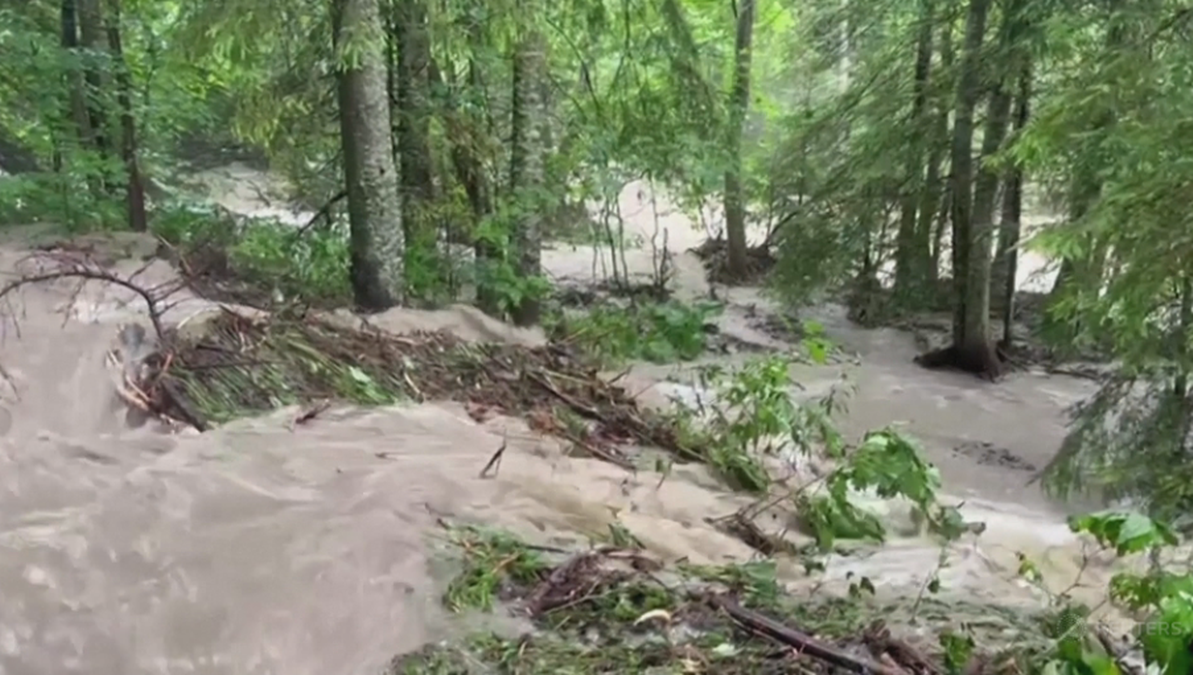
x,y
493,561
663,332
753,416
891,466
311,266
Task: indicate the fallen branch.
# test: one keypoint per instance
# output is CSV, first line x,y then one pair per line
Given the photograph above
x,y
154,297
324,212
803,643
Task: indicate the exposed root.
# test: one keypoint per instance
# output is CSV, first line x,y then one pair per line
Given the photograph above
x,y
985,361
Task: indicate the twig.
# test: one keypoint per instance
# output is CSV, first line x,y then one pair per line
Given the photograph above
x,y
805,644
323,212
599,452
494,461
152,297
880,641
311,413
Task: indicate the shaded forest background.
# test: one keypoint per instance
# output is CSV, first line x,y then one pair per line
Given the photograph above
x,y
888,150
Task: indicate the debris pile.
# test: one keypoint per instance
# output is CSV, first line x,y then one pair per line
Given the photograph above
x,y
239,365
616,610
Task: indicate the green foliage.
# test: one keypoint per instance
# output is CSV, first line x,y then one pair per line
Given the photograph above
x,y
751,416
493,560
1166,598
663,332
889,465
306,267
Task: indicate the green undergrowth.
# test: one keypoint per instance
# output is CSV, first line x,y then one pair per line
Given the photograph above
x,y
259,261
659,332
621,612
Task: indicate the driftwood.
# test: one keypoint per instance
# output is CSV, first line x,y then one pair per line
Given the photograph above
x,y
803,643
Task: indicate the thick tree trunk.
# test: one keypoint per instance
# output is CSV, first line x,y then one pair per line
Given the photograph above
x,y
969,90
526,162
977,286
971,349
134,184
739,105
374,204
907,276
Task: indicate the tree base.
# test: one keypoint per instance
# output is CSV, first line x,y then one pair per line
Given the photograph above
x,y
984,361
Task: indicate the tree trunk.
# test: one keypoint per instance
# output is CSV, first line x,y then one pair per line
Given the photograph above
x,y
135,185
91,39
468,158
1084,191
981,232
907,277
971,349
374,204
526,162
933,198
1007,262
77,86
414,147
739,105
969,89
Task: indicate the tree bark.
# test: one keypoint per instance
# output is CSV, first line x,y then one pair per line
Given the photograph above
x,y
372,182
971,349
526,162
739,105
907,277
77,85
961,187
91,39
1010,227
977,286
1084,191
414,147
933,198
134,184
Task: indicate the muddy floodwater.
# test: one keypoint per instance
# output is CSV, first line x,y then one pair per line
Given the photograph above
x,y
263,548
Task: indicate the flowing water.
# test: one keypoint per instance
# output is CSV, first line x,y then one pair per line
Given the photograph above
x,y
261,548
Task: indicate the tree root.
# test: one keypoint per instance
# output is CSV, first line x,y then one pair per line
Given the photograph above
x,y
985,361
